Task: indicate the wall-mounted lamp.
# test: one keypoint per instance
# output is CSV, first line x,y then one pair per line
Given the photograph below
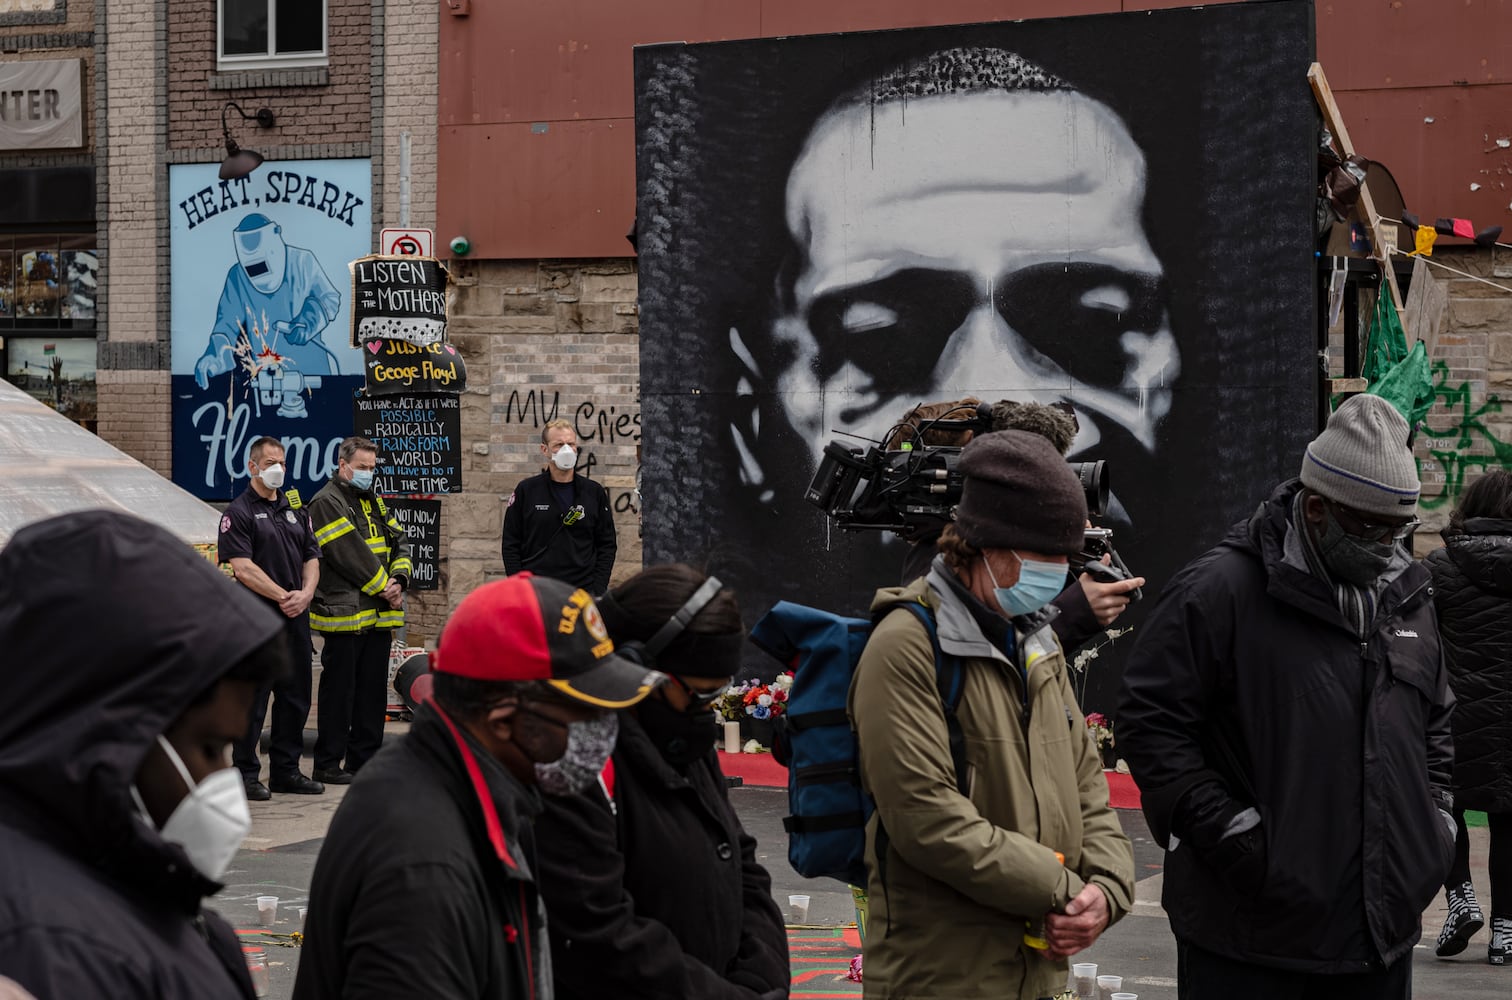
x,y
241,162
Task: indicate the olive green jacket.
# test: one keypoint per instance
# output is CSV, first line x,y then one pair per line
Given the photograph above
x,y
962,873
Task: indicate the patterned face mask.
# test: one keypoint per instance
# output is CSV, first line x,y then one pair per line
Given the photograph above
x,y
589,744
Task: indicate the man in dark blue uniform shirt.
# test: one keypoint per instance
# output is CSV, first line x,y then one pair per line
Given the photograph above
x,y
267,538
560,524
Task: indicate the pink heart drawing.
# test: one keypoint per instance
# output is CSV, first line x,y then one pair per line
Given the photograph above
x,y
450,349
375,346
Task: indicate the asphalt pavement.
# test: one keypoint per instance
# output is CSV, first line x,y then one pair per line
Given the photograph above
x,y
278,859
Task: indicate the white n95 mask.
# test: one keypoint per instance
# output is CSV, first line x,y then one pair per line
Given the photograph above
x,y
212,820
565,458
272,476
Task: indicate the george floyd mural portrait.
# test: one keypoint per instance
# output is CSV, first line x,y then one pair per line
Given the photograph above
x,y
1111,212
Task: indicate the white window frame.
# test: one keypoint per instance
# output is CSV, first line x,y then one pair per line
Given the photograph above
x,y
271,60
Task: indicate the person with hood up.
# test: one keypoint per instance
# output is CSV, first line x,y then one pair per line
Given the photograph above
x,y
1472,580
1285,712
620,927
119,810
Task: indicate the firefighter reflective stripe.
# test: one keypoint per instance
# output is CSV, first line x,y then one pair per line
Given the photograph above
x,y
329,533
376,583
390,618
379,545
366,618
401,567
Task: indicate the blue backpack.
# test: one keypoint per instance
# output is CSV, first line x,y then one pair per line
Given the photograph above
x,y
814,739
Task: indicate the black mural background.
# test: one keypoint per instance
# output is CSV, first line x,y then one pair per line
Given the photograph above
x,y
1219,102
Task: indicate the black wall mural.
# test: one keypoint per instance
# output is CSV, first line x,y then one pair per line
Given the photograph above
x,y
1113,211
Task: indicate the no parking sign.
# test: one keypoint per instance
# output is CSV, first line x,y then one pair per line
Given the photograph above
x,y
409,242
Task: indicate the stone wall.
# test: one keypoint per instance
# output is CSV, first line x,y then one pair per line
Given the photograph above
x,y
542,339
1467,432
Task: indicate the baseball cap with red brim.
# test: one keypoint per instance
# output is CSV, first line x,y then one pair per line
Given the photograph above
x,y
534,628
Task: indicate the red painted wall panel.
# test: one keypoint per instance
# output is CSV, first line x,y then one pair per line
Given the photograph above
x,y
570,191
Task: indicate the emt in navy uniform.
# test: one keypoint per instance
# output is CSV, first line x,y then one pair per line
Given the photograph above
x,y
266,536
560,524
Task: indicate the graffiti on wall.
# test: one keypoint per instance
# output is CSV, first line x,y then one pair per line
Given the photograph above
x,y
1465,444
593,422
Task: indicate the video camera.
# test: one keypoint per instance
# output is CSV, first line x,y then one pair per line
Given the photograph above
x,y
913,491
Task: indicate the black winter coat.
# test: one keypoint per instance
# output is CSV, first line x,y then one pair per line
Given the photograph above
x,y
1246,688
1472,576
424,885
660,896
93,902
536,539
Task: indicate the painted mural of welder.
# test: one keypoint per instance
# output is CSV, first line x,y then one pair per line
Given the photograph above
x,y
279,296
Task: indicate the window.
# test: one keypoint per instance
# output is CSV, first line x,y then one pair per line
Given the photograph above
x,y
48,284
272,33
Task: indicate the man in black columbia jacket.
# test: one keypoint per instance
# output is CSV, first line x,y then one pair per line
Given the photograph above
x,y
1285,712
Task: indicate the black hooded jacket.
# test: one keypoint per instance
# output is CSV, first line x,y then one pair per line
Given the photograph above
x,y
103,651
660,895
425,883
1246,689
1472,577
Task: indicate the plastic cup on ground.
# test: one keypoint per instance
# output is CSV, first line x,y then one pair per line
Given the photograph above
x,y
1109,985
267,910
257,968
1084,980
302,911
798,907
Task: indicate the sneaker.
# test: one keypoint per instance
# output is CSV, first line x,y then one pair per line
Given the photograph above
x,y
1461,924
1501,940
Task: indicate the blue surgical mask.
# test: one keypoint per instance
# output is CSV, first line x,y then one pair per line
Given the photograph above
x,y
362,478
1037,585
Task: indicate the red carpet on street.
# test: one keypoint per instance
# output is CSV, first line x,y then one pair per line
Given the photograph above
x,y
761,770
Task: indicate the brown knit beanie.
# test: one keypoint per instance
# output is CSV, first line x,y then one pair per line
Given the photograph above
x,y
1019,493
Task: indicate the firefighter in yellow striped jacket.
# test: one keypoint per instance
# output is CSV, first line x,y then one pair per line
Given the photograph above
x,y
359,601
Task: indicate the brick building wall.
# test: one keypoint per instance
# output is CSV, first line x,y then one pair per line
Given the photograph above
x,y
329,104
542,339
1467,432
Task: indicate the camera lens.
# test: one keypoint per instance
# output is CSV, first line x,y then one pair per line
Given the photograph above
x,y
1094,482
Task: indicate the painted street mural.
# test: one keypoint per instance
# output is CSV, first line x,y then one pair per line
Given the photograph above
x,y
261,317
1111,212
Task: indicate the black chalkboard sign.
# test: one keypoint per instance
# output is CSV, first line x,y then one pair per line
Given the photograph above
x,y
421,520
397,366
419,439
398,298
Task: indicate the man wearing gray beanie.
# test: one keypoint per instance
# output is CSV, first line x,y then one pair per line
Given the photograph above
x,y
962,859
1285,712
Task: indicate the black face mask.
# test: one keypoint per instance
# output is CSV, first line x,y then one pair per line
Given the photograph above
x,y
680,737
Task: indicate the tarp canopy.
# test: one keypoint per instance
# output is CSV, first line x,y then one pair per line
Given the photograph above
x,y
50,465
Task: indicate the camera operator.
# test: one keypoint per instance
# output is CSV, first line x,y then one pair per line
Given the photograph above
x,y
1087,605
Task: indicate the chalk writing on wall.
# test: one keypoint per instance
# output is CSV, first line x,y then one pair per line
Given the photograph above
x,y
421,520
419,439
